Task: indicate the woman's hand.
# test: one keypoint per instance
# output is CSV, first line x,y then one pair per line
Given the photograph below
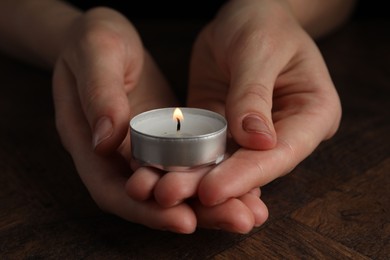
x,y
256,65
101,79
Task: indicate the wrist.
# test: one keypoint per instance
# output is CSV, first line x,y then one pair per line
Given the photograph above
x,y
55,34
33,35
319,18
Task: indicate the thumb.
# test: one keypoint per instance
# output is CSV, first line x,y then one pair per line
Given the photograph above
x,y
103,83
249,100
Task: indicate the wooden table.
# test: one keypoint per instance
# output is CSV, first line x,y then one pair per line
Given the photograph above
x,y
334,205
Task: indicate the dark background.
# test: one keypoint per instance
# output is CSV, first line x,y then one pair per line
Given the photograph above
x,y
158,9
365,9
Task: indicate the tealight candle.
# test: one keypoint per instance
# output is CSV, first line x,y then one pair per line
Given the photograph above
x,y
178,139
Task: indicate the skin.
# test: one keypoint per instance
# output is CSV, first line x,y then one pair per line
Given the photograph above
x,y
256,63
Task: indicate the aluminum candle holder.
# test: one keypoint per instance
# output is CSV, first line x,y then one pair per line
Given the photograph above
x,y
178,139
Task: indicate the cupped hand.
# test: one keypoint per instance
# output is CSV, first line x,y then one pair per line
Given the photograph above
x,y
256,65
102,78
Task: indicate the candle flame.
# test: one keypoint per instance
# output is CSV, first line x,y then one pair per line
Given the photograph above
x,y
177,114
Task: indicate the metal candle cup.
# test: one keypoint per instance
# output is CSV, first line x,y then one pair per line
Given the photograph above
x,y
161,141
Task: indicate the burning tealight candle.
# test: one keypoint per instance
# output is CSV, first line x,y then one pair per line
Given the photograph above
x,y
178,139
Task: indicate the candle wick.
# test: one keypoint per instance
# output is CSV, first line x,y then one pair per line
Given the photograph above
x,y
178,125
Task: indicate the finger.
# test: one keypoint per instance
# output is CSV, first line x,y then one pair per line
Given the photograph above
x,y
232,215
106,186
256,192
105,177
141,183
175,187
106,68
257,206
254,65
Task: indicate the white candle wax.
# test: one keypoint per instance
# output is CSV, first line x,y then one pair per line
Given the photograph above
x,y
196,123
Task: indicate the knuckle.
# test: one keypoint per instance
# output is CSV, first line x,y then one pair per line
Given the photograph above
x,y
101,37
91,98
252,40
288,154
103,99
257,92
256,164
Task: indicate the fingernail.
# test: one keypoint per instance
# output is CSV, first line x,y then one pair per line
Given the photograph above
x,y
254,124
103,130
